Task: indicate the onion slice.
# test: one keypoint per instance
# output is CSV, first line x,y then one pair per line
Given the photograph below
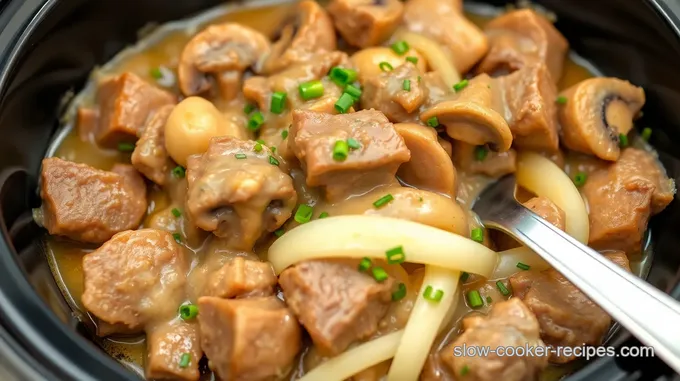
x,y
436,57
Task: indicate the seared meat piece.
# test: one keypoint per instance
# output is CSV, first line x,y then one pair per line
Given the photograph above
x,y
523,38
547,210
469,159
509,324
248,339
236,192
242,277
125,104
150,156
166,344
385,92
594,112
88,204
87,120
313,136
565,314
336,303
621,199
444,22
366,23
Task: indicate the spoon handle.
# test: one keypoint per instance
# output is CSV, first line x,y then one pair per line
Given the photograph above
x,y
646,312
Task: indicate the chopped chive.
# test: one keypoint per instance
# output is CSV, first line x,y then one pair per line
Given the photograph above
x,y
185,360
188,311
240,156
303,214
406,85
279,232
273,161
323,215
501,287
420,199
156,73
400,293
379,274
464,370
385,66
400,47
256,121
477,235
126,147
179,172
646,134
395,255
561,100
460,85
342,76
177,237
273,149
278,102
413,60
580,179
474,299
481,153
310,90
353,143
340,150
260,141
623,140
353,91
382,201
522,266
344,103
488,300
365,264
420,79
464,277
258,147
248,108
284,134
432,295
433,122
176,212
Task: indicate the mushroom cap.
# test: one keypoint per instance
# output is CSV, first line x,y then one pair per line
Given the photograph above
x,y
227,47
596,111
367,61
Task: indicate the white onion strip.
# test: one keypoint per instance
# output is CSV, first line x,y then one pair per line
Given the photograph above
x,y
423,324
358,236
437,59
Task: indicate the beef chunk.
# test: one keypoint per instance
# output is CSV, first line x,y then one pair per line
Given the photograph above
x,y
523,38
365,23
86,123
88,204
565,314
167,342
337,304
385,92
547,210
125,103
509,324
493,164
621,199
236,192
242,277
313,136
248,339
150,156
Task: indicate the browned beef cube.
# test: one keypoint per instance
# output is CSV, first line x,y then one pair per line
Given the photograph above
x,y
313,136
336,303
125,103
88,204
565,314
242,277
150,156
547,210
495,164
167,343
385,92
248,339
238,193
87,120
365,23
621,199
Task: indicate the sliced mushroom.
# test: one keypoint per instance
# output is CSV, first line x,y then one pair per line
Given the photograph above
x,y
310,33
473,116
430,167
596,112
223,51
368,61
366,23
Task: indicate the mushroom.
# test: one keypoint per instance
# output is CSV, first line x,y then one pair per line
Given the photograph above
x,y
368,61
471,117
595,112
366,23
310,33
430,167
223,51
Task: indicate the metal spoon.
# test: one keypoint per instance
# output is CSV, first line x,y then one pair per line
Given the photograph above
x,y
649,314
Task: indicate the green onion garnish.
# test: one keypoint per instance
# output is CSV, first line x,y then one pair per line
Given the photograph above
x,y
126,147
464,277
179,172
284,134
176,212
156,73
464,370
400,47
310,90
261,141
502,289
273,161
646,134
522,266
185,360
340,150
432,295
256,121
433,122
344,103
188,311
406,85
278,102
323,215
303,214
477,235
273,149
177,237
480,153
382,201
353,143
240,156
400,293
488,300
395,255
279,232
342,76
413,60
474,299
353,91
623,140
385,66
365,264
379,274
561,100
460,85
258,147
580,179
248,108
